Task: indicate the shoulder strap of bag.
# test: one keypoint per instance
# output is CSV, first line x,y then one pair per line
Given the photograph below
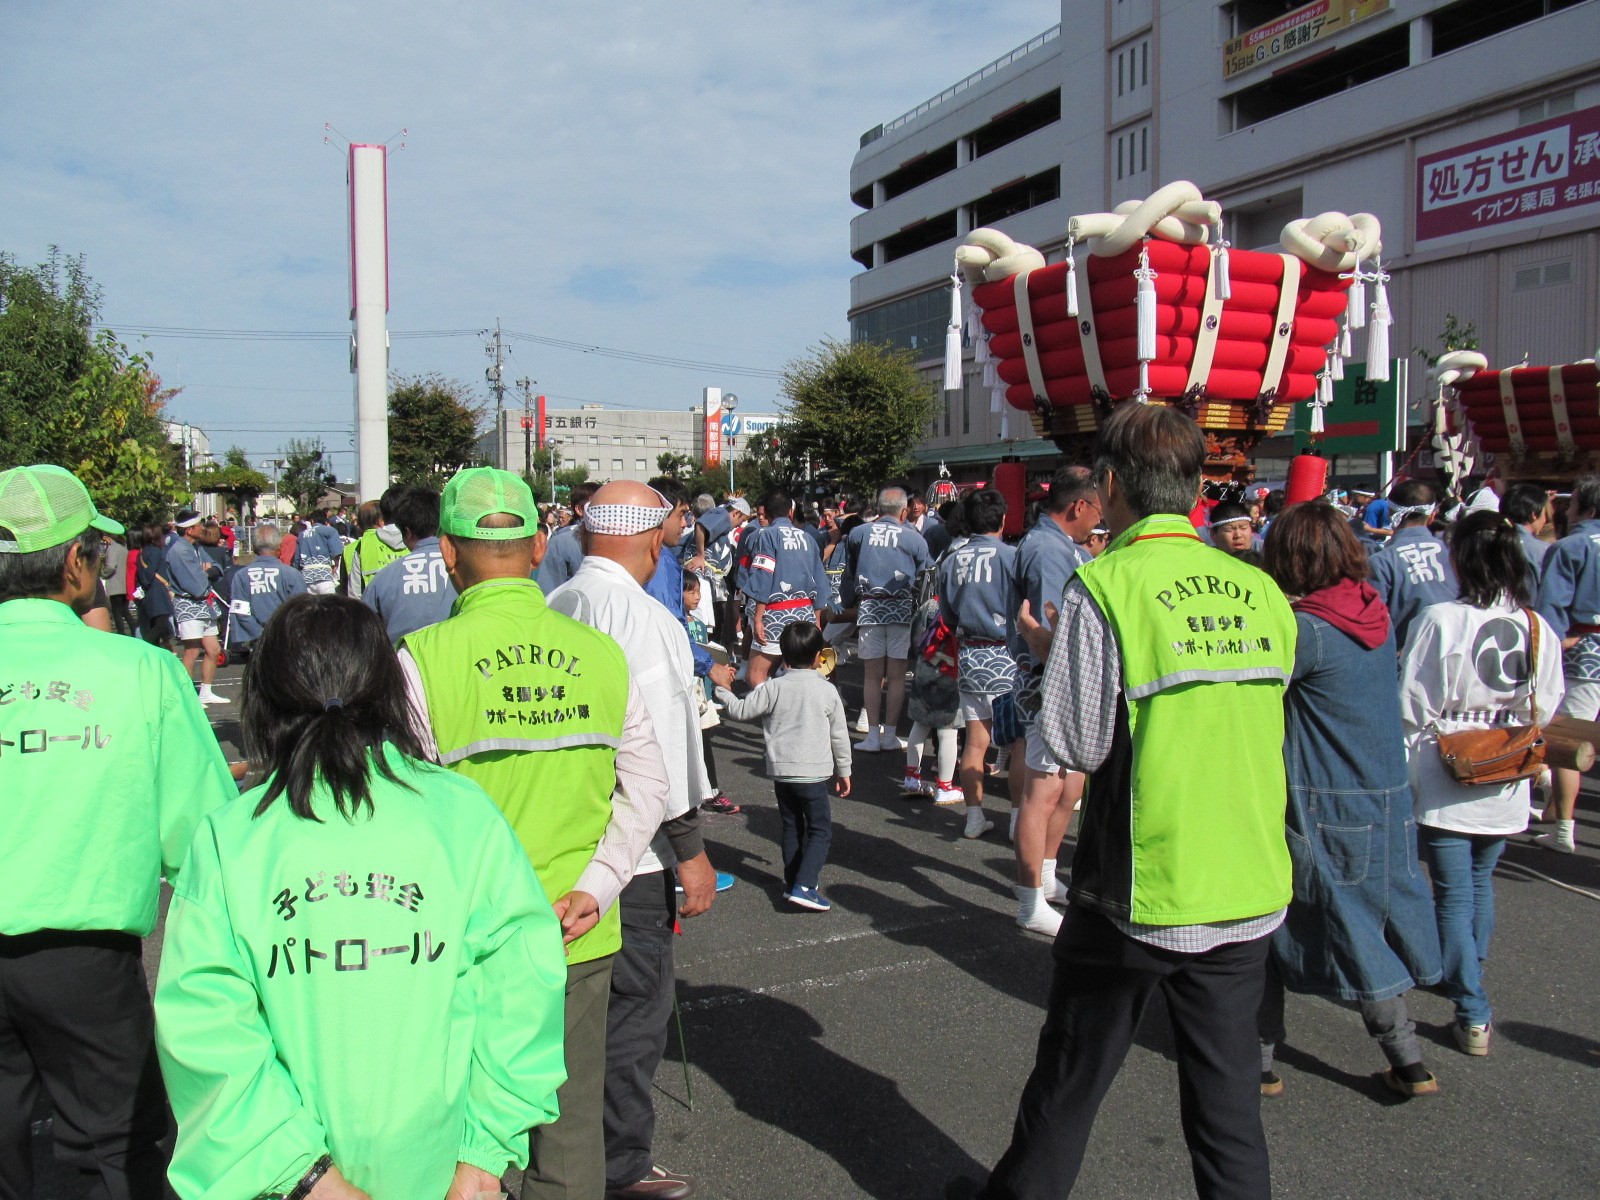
x,y
1533,665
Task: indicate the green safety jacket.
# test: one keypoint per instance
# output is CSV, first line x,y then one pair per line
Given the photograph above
x,y
107,764
375,556
387,990
531,705
1207,646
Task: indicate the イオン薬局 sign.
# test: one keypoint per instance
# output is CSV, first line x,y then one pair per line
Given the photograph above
x,y
1543,167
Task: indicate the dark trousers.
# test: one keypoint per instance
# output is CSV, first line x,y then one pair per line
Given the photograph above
x,y
121,621
807,830
76,1021
711,762
566,1160
642,984
1103,981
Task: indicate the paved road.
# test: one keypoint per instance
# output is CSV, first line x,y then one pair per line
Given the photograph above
x,y
878,1050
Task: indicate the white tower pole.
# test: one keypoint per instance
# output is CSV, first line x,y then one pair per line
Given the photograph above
x,y
369,310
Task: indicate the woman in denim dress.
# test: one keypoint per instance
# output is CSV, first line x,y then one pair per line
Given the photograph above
x,y
1361,924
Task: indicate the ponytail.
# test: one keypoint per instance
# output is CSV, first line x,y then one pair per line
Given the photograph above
x,y
1489,561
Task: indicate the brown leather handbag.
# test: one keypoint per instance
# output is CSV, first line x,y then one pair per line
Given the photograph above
x,y
1505,753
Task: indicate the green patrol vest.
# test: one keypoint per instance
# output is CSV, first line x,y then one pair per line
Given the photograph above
x,y
1207,646
374,556
530,705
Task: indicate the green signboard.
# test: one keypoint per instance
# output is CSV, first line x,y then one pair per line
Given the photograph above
x,y
1364,418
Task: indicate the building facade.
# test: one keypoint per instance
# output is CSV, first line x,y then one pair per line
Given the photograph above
x,y
614,443
1470,128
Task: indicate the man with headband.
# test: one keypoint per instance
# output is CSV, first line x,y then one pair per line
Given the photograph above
x,y
1230,528
540,711
784,578
623,539
1413,570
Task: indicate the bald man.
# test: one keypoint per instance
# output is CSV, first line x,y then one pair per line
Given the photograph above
x,y
623,537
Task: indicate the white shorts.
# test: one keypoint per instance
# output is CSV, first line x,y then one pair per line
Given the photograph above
x,y
883,641
325,588
976,708
194,631
1582,699
1038,756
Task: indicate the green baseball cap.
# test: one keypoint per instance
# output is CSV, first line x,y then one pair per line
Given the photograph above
x,y
475,493
44,506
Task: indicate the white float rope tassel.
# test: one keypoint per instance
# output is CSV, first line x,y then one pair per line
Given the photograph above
x,y
952,337
1145,306
1378,332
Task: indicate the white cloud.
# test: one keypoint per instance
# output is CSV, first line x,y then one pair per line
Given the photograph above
x,y
665,177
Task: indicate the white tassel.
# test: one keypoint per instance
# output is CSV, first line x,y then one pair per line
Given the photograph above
x,y
1224,283
952,338
1005,423
991,377
981,354
1072,282
1316,418
1337,366
1145,300
997,398
1344,342
1355,312
1378,333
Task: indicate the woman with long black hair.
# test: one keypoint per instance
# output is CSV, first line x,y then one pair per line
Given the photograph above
x,y
362,985
1471,664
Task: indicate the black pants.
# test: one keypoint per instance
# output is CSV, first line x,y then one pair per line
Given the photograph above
x,y
807,830
75,1020
1103,981
121,621
642,983
711,761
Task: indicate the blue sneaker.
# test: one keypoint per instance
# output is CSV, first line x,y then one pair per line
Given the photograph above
x,y
810,898
724,881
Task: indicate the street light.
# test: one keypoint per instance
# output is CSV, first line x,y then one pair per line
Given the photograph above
x,y
729,403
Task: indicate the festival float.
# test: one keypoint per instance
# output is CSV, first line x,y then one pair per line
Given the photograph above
x,y
1526,422
1151,304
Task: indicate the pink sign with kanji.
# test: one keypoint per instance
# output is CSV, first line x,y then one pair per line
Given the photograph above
x,y
1547,166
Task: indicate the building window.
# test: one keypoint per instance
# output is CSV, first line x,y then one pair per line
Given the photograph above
x,y
638,441
593,440
1018,123
1131,147
594,464
1017,197
616,464
966,406
1322,75
916,323
639,466
1544,275
665,440
920,236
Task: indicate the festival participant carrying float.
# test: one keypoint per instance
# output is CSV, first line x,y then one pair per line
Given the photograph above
x,y
1152,304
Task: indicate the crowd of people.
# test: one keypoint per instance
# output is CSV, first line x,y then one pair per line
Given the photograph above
x,y
481,732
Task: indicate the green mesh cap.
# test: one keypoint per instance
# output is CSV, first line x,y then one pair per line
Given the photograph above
x,y
475,493
45,506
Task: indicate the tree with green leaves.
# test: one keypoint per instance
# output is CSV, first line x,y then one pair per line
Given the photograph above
x,y
76,397
306,473
675,464
433,429
239,485
856,410
235,456
566,478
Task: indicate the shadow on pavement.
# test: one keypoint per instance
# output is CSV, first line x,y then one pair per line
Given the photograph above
x,y
798,1085
1556,1042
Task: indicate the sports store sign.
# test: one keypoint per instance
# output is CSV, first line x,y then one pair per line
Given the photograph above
x,y
1544,167
1310,23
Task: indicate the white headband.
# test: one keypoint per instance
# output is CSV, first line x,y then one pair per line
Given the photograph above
x,y
1227,521
1396,516
189,524
625,520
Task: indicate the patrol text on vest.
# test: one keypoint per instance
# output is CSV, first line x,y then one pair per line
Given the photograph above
x,y
513,656
1213,587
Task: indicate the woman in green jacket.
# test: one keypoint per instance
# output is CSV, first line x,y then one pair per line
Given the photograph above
x,y
362,984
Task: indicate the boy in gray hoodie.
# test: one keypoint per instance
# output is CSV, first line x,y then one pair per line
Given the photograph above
x,y
808,744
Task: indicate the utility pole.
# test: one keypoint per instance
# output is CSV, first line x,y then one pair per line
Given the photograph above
x,y
494,373
526,385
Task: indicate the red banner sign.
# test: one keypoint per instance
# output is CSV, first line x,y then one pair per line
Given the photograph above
x,y
1544,167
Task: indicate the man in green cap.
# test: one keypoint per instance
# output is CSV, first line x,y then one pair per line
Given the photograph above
x,y
540,711
107,765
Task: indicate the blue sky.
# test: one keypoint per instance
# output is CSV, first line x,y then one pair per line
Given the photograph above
x,y
667,178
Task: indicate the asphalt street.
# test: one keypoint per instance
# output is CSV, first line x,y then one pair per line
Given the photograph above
x,y
878,1050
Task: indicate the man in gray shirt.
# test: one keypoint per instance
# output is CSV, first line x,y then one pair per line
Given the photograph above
x,y
415,591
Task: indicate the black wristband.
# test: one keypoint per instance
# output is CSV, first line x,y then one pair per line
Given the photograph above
x,y
309,1180
684,835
